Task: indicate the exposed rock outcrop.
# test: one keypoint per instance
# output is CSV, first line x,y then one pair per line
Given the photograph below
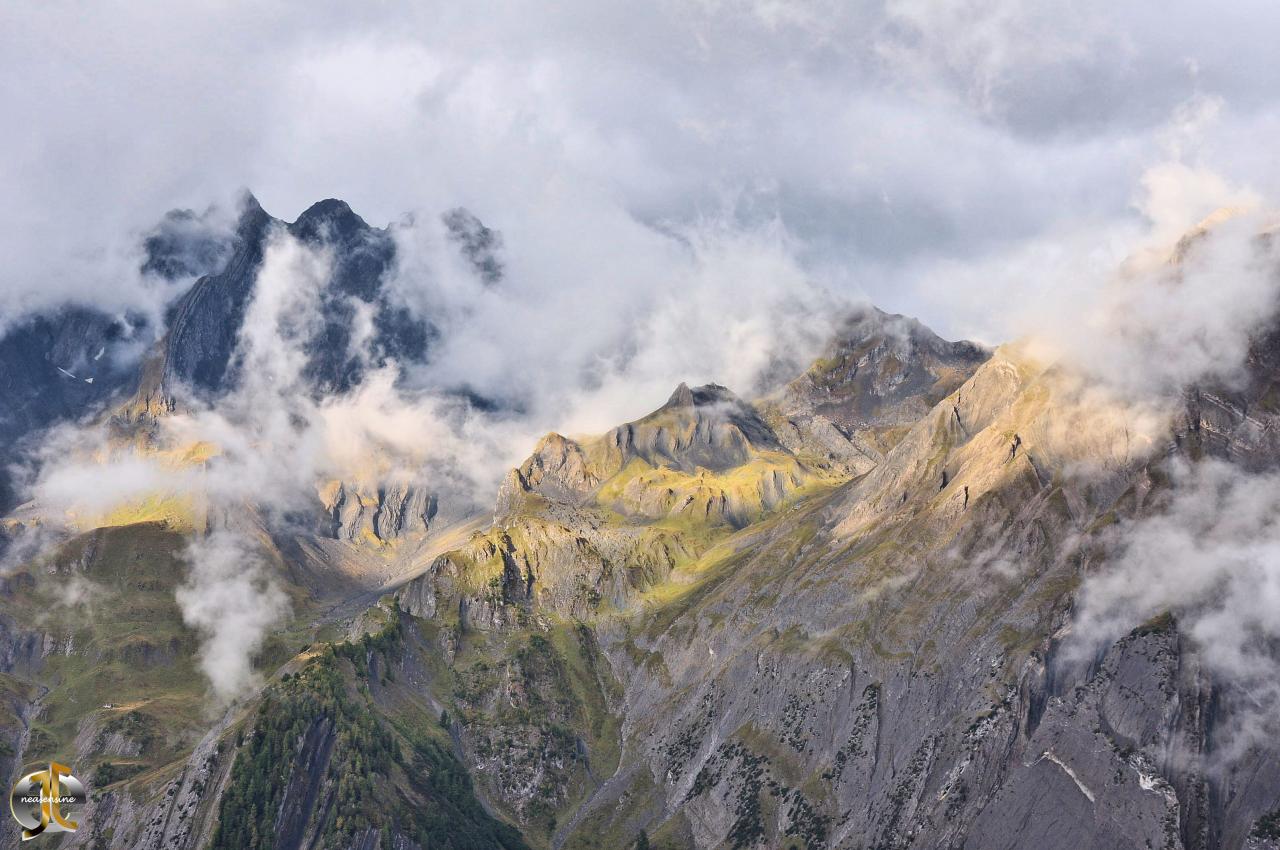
x,y
389,513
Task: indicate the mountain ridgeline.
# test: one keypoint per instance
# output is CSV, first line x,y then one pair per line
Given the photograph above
x,y
836,617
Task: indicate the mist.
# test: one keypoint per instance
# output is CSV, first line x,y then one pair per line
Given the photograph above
x,y
895,140
1209,555
231,600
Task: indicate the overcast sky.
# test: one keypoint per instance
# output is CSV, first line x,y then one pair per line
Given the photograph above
x,y
946,159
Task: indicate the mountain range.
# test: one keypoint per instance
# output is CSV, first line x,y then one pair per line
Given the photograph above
x,y
840,615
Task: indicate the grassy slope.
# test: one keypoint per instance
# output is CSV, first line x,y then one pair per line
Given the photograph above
x,y
107,598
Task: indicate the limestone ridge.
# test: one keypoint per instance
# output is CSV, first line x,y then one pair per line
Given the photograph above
x,y
596,520
879,374
707,427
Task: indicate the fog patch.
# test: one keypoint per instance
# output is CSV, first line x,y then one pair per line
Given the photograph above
x,y
231,600
1210,557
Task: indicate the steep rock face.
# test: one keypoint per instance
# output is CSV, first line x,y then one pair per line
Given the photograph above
x,y
1101,754
204,325
1239,423
390,512
66,363
361,323
881,373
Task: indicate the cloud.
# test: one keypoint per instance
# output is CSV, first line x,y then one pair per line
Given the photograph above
x,y
582,339
75,482
230,599
1147,308
883,135
1162,326
1064,278
1210,555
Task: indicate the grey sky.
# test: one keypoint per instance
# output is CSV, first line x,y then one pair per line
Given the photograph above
x,y
931,155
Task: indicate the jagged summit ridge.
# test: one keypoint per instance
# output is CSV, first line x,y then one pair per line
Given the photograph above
x,y
198,352
702,396
330,213
706,426
880,373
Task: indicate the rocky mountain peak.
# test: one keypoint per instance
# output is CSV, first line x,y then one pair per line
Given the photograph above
x,y
879,373
703,396
480,245
329,219
878,362
682,397
253,218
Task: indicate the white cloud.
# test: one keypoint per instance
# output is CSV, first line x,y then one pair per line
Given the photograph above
x,y
231,600
581,337
581,355
1210,555
882,134
1164,324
